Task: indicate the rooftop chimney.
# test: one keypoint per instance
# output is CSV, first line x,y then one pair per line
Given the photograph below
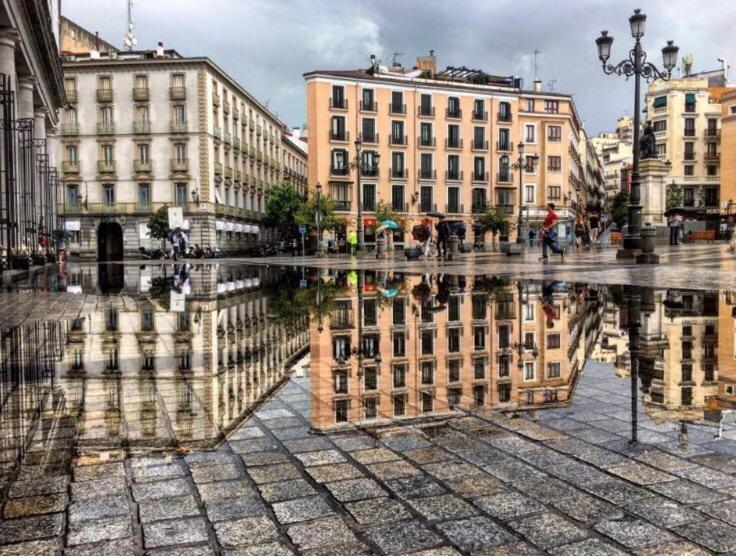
x,y
537,85
427,63
160,50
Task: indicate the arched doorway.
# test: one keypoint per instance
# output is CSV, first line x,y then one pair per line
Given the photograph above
x,y
109,242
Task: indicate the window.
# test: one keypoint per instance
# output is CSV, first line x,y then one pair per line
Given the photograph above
x,y
337,128
144,195
399,376
552,106
711,170
399,401
147,324
530,133
479,109
180,114
181,194
659,126
689,151
504,367
340,379
529,372
106,116
141,114
427,402
368,100
479,368
689,127
529,341
554,163
370,312
108,194
553,341
71,116
453,199
453,308
453,136
689,170
399,342
72,153
397,198
369,130
479,394
479,137
712,129
339,161
370,378
689,102
427,342
688,196
338,96
72,196
425,105
397,132
453,167
479,338
342,410
453,107
504,139
479,199
504,112
427,372
177,80
529,193
661,149
711,150
425,199
425,134
180,151
711,194
479,307
397,165
70,86
369,196
397,102
529,104
453,370
425,169
453,340
554,133
399,312
144,150
111,319
105,83
505,197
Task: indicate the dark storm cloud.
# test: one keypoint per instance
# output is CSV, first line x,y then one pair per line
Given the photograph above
x,y
268,44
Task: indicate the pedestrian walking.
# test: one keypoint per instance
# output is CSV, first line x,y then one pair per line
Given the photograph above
x,y
353,241
674,225
579,231
443,234
532,233
549,234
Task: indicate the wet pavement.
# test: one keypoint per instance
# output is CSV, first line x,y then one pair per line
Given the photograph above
x,y
232,409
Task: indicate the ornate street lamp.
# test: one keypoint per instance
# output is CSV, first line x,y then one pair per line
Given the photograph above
x,y
359,166
637,66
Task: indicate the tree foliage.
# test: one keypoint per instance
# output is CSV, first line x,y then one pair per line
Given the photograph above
x,y
385,211
675,196
620,209
496,220
282,206
158,223
307,213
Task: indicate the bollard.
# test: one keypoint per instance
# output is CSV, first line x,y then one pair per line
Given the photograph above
x,y
380,247
454,245
647,255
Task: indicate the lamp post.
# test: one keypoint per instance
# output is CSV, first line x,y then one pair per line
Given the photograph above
x,y
520,165
359,166
637,66
318,187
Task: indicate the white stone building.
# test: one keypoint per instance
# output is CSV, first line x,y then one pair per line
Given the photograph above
x,y
151,129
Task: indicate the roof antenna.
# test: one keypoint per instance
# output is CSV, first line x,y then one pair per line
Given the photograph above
x,y
551,85
536,53
394,60
129,40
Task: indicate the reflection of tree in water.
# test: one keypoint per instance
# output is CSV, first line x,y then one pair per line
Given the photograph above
x,y
160,290
289,305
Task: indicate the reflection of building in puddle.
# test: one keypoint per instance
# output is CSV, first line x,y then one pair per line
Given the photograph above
x,y
407,347
679,355
613,346
154,368
28,390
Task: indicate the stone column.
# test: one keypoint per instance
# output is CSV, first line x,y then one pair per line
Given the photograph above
x,y
8,40
652,177
24,99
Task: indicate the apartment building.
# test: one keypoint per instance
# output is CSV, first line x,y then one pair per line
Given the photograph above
x,y
447,141
686,117
590,193
151,129
728,145
148,375
615,155
446,345
294,162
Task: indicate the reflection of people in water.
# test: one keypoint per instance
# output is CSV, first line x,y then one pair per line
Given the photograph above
x,y
682,434
548,306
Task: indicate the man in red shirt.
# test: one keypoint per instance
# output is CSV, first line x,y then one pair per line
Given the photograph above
x,y
549,233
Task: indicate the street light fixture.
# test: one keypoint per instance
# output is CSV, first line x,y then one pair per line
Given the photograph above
x,y
637,66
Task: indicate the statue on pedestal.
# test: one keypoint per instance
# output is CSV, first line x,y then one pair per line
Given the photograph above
x,y
648,143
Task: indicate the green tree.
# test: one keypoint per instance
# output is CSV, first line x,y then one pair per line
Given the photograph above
x,y
282,206
496,220
675,196
620,209
158,223
384,211
307,213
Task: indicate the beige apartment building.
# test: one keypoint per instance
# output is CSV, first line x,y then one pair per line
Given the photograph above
x,y
151,129
728,145
686,117
615,155
448,142
423,354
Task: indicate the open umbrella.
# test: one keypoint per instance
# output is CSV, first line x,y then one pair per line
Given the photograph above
x,y
389,293
435,214
390,224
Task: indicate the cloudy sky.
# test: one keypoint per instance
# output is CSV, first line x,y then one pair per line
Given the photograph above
x,y
268,44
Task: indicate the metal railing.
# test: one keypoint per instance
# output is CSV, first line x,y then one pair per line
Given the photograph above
x,y
70,129
141,127
177,93
503,177
70,166
344,136
105,128
480,116
425,110
178,165
140,93
453,143
425,174
104,95
427,141
106,166
371,107
339,104
178,127
504,117
504,146
393,140
454,113
369,139
480,145
457,176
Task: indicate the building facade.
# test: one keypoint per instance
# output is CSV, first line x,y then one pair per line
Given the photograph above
x,y
728,145
686,117
615,155
151,129
447,142
31,92
294,162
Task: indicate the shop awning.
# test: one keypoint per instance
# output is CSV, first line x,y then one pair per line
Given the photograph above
x,y
255,230
238,227
219,225
660,102
230,226
72,225
690,98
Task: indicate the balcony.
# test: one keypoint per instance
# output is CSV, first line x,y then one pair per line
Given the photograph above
x,y
427,111
70,166
454,143
428,142
105,128
480,177
178,127
426,206
70,129
106,166
712,132
689,156
342,137
712,156
342,171
237,176
225,107
403,140
400,207
688,133
369,171
228,173
104,95
177,93
215,99
141,128
142,166
508,209
396,108
71,96
218,168
399,173
427,174
457,113
140,94
228,138
454,208
342,205
480,116
217,132
507,146
236,113
504,117
369,139
503,177
259,130
371,107
338,103
479,145
454,175
179,165
479,207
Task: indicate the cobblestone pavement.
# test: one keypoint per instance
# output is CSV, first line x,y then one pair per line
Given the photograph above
x,y
561,481
699,266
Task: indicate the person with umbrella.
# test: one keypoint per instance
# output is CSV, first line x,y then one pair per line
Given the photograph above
x,y
443,234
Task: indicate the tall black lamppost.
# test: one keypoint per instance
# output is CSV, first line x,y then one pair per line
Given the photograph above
x,y
360,166
520,164
637,66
